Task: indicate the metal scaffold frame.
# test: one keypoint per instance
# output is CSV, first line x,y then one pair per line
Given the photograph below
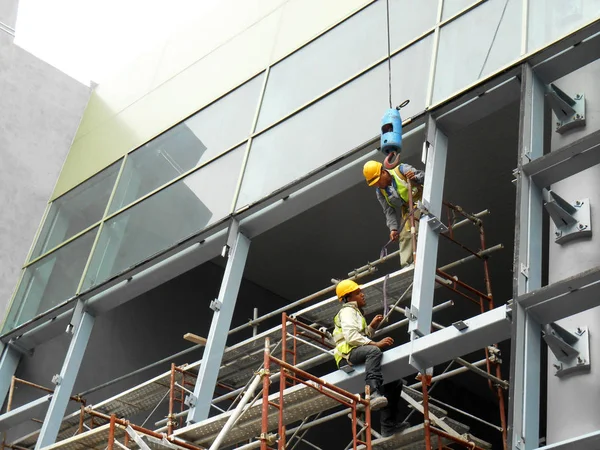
x,y
307,334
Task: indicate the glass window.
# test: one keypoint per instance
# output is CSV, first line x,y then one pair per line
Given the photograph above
x,y
451,7
334,125
409,20
50,281
189,144
332,58
76,210
165,218
552,19
477,44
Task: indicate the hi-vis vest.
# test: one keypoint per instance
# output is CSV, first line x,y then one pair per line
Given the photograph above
x,y
342,348
401,188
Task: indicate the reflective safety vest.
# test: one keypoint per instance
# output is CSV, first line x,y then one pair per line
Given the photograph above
x,y
342,348
401,188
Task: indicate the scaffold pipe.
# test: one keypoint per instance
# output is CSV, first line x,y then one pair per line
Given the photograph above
x,y
237,412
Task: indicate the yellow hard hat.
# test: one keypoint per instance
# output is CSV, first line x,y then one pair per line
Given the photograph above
x,y
345,287
372,172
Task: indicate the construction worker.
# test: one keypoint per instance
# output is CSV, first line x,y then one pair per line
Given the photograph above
x,y
392,193
354,344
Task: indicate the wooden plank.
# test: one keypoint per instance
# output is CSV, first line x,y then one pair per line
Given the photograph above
x,y
194,338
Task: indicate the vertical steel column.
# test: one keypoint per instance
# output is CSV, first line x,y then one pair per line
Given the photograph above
x,y
8,365
435,147
527,269
219,327
66,380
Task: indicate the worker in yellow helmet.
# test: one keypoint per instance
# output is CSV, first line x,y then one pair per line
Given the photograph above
x,y
392,193
353,339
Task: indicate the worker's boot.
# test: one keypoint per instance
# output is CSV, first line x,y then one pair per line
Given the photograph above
x,y
378,400
397,428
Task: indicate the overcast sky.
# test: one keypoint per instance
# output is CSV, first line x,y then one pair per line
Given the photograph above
x,y
92,39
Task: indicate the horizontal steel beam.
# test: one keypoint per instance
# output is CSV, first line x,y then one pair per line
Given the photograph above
x,y
567,161
24,413
585,442
564,298
436,348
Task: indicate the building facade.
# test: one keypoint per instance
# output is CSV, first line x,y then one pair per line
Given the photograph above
x,y
230,159
41,110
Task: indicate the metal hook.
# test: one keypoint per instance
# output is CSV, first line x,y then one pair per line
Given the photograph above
x,y
391,160
403,104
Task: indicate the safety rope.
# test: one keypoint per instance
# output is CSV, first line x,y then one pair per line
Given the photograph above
x,y
389,48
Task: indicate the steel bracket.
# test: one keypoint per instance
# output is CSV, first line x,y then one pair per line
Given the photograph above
x,y
189,401
80,308
571,221
569,111
571,349
434,223
411,313
215,305
525,270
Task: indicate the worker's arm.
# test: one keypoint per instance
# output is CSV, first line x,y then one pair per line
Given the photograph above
x,y
391,217
406,169
351,324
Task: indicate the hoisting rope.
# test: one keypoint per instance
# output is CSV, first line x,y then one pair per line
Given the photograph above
x,y
389,48
383,253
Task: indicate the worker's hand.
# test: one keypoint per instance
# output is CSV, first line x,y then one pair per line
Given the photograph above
x,y
410,175
394,235
376,321
385,342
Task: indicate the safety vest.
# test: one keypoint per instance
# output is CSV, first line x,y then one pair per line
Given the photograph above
x,y
401,188
342,348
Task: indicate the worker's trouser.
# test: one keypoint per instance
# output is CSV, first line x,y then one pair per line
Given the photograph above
x,y
370,356
405,238
396,410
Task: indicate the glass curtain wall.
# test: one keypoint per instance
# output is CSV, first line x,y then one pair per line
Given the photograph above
x,y
319,102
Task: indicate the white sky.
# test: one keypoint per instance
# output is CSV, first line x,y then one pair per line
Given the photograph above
x,y
93,39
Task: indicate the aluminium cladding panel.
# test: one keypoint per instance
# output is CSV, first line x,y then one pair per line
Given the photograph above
x,y
485,329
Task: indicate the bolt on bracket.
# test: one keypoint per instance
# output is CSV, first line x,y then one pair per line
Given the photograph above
x,y
571,349
571,221
570,111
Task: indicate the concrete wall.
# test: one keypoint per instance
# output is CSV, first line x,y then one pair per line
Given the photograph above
x,y
40,110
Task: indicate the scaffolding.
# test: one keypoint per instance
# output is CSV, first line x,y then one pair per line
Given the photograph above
x,y
301,397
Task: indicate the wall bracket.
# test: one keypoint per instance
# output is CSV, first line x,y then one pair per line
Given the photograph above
x,y
571,349
570,111
571,221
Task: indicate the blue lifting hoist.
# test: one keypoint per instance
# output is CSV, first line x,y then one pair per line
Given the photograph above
x,y
391,123
391,136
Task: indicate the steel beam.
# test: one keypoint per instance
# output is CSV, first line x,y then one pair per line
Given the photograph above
x,y
24,413
565,162
219,327
8,365
436,348
585,442
436,145
65,381
526,333
550,303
